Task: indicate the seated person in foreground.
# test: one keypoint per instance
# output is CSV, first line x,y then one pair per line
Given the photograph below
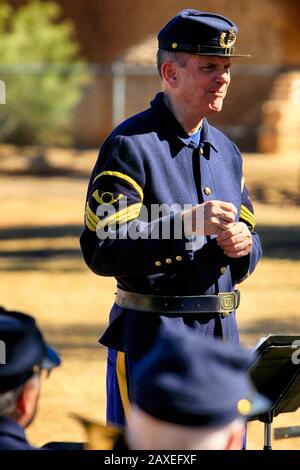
x,y
192,394
26,357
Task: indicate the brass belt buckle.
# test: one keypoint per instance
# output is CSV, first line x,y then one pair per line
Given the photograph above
x,y
229,301
238,298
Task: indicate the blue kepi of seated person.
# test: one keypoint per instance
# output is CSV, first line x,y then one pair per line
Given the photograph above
x,y
196,382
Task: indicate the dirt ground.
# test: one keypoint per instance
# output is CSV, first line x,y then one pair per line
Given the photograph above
x,y
42,273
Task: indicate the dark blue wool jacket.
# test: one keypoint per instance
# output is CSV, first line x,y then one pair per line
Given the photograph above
x,y
149,159
12,436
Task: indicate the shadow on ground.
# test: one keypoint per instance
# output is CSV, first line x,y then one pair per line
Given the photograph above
x,y
253,331
49,231
278,242
73,339
81,340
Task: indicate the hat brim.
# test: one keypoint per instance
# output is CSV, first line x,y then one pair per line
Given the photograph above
x,y
259,405
51,359
220,55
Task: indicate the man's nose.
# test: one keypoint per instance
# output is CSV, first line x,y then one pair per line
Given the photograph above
x,y
222,77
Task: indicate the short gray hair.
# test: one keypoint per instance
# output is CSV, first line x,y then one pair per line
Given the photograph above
x,y
8,401
162,56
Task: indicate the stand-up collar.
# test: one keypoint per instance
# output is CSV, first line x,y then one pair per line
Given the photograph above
x,y
206,135
173,127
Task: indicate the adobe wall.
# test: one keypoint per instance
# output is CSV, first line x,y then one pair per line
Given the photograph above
x,y
107,28
290,21
268,30
113,30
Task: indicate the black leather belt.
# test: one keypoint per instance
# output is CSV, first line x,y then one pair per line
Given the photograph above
x,y
223,303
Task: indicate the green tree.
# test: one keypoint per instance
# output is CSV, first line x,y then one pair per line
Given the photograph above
x,y
39,62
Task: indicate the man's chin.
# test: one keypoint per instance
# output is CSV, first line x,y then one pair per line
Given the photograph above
x,y
215,107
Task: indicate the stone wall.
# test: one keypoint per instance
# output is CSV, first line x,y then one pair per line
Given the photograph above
x,y
106,28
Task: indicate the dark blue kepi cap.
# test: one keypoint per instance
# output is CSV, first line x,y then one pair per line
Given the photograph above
x,y
201,33
24,350
190,380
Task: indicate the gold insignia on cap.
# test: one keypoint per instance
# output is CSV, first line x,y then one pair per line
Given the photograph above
x,y
174,45
244,407
227,38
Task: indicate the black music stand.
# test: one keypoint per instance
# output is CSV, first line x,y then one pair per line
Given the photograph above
x,y
276,374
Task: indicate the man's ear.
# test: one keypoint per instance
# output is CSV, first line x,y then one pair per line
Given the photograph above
x,y
27,402
169,73
21,403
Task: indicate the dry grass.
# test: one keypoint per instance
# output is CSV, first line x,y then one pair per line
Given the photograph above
x,y
42,273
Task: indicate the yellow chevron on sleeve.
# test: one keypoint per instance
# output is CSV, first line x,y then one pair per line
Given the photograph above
x,y
124,215
243,217
247,212
92,215
247,215
89,223
127,217
124,177
91,219
111,218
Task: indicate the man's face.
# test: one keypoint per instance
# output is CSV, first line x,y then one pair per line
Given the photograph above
x,y
202,84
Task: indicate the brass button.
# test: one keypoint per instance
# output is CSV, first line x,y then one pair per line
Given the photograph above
x,y
200,151
223,270
157,263
174,45
207,190
244,407
168,261
178,258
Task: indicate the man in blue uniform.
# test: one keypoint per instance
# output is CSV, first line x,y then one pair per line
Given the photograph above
x,y
25,356
167,212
